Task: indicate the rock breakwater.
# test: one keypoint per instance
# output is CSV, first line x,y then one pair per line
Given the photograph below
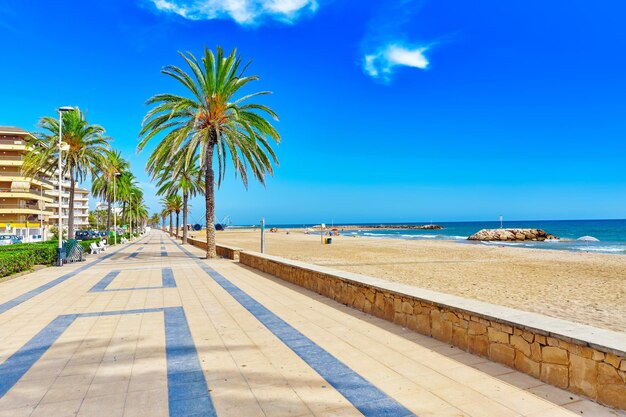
x,y
514,235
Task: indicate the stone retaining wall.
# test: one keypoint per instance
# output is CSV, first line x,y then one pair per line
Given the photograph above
x,y
582,359
223,251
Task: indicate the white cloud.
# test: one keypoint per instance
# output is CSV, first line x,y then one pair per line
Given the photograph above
x,y
383,63
244,12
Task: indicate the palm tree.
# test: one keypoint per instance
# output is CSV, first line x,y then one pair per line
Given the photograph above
x,y
105,183
86,147
134,198
164,213
179,175
168,208
175,203
212,119
154,219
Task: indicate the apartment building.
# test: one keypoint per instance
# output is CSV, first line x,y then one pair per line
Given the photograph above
x,y
29,206
23,200
81,204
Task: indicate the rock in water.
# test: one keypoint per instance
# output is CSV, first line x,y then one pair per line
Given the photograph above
x,y
512,235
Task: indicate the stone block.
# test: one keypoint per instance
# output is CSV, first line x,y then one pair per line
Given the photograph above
x,y
552,354
540,339
407,307
478,344
528,336
583,376
424,324
597,356
519,343
551,341
440,329
557,375
475,328
459,337
397,304
359,300
502,327
400,318
524,364
535,352
613,360
608,375
451,317
389,311
367,306
613,395
502,353
498,336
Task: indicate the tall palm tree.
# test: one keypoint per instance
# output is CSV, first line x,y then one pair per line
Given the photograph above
x,y
178,175
87,146
164,214
209,119
154,219
168,208
175,203
105,183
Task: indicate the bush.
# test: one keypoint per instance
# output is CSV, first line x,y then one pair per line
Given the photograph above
x,y
40,253
12,262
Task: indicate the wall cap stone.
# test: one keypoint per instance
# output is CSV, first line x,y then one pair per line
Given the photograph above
x,y
601,339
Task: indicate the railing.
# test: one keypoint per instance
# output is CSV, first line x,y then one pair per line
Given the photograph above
x,y
11,142
20,205
10,173
34,194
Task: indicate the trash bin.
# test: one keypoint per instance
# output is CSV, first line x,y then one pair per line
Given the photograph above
x,y
329,240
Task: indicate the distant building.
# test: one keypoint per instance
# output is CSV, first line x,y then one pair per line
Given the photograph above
x,y
23,200
81,204
29,205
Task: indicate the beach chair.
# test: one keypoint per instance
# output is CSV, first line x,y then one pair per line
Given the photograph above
x,y
124,240
104,243
94,248
102,246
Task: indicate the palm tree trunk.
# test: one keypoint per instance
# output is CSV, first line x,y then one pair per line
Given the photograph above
x,y
185,199
70,213
177,222
171,225
209,194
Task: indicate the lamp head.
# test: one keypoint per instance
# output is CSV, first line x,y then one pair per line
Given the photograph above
x,y
64,109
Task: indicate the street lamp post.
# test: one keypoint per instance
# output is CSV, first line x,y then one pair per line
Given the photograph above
x,y
117,174
60,253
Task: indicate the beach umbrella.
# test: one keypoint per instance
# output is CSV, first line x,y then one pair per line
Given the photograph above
x,y
588,239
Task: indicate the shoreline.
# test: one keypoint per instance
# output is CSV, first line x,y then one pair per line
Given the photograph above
x,y
588,288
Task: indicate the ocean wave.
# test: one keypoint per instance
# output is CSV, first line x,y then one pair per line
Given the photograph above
x,y
599,248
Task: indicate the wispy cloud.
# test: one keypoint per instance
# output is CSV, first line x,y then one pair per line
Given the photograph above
x,y
383,63
244,12
390,40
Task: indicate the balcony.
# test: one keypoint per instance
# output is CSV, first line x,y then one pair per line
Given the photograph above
x,y
12,144
17,193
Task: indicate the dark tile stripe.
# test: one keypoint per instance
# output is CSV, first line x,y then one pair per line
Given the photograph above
x,y
366,397
188,394
187,389
167,278
6,306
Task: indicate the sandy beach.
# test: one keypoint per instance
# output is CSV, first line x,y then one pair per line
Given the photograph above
x,y
583,287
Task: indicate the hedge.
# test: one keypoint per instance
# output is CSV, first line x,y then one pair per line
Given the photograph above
x,y
23,256
12,262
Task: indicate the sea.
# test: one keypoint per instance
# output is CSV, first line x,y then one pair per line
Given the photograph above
x,y
611,234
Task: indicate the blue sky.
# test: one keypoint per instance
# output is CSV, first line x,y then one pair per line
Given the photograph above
x,y
390,110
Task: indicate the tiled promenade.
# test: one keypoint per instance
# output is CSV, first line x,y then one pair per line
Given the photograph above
x,y
149,329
